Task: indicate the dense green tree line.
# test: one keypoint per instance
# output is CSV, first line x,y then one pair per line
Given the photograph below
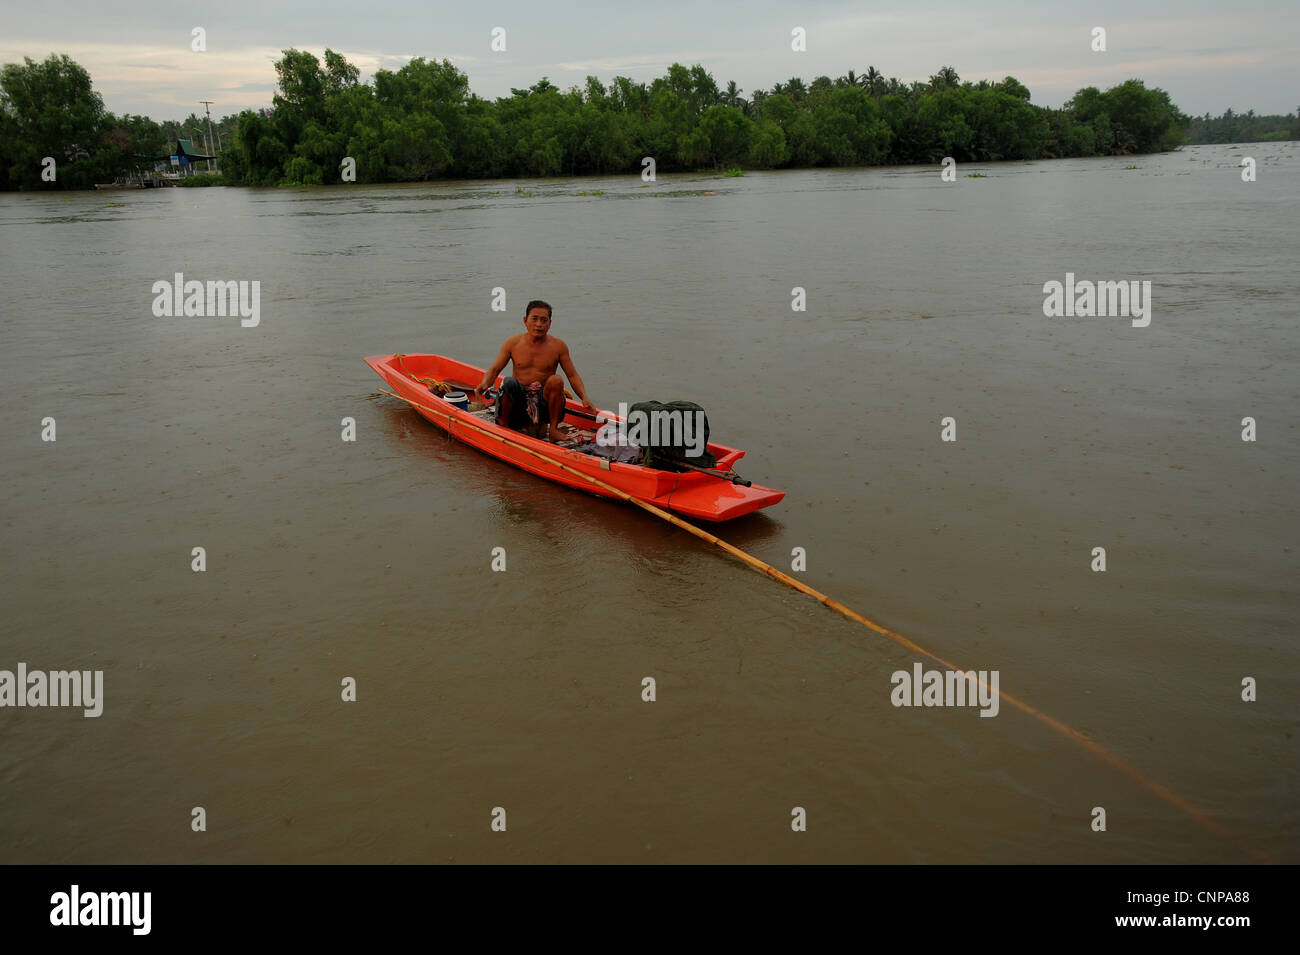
x,y
422,122
49,109
1243,128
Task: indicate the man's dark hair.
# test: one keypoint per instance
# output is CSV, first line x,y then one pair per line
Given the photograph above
x,y
538,303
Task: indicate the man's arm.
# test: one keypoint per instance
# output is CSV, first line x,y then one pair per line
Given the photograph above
x,y
575,379
502,359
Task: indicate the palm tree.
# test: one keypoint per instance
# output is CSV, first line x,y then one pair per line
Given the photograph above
x,y
796,89
732,96
946,78
849,79
873,81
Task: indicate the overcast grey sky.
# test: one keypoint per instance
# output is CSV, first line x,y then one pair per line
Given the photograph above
x,y
1207,55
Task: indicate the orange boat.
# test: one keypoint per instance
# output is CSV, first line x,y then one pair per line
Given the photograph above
x,y
714,494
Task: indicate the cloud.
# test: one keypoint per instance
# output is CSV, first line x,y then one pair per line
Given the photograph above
x,y
168,81
1048,48
618,64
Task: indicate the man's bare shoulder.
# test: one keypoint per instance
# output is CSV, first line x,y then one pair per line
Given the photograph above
x,y
560,346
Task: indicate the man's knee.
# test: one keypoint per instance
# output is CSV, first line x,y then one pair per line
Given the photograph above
x,y
553,384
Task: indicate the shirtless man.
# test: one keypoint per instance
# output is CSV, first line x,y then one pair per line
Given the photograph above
x,y
536,393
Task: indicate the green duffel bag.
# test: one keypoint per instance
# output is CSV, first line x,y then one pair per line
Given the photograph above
x,y
669,433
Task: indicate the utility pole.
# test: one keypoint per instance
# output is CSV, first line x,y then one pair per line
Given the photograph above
x,y
207,105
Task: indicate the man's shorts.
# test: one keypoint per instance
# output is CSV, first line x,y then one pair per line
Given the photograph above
x,y
520,413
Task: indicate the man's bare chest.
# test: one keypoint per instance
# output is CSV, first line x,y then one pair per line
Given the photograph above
x,y
526,356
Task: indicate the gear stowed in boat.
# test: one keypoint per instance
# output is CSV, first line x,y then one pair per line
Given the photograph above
x,y
713,494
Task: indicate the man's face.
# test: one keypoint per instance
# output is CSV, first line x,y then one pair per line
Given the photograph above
x,y
538,321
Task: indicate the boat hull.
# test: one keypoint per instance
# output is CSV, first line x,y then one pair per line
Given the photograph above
x,y
693,494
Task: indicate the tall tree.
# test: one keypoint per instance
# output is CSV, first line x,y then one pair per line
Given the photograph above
x,y
945,79
54,113
873,82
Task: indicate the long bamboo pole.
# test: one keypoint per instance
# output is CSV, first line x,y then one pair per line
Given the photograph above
x,y
1091,745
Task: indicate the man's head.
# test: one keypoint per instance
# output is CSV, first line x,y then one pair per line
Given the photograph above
x,y
537,317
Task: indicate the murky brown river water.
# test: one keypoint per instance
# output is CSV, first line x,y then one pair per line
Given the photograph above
x,y
522,689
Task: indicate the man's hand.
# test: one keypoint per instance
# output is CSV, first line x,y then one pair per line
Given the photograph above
x,y
586,403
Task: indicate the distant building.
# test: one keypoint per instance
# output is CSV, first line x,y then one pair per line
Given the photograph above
x,y
183,158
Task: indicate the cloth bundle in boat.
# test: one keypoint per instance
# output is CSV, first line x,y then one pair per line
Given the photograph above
x,y
673,430
615,454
